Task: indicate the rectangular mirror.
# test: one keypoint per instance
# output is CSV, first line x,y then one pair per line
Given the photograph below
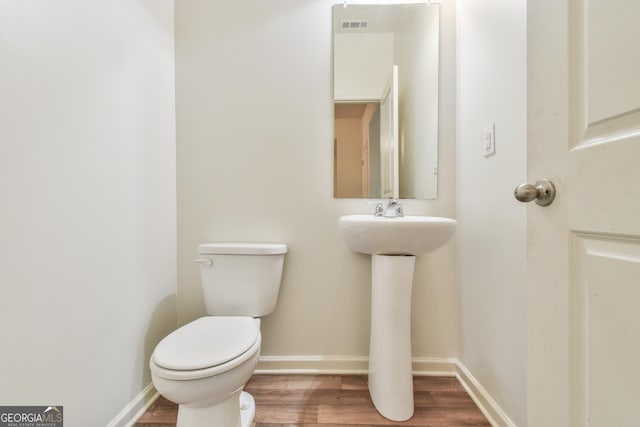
x,y
385,91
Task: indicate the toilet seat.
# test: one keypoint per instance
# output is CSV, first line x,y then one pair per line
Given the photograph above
x,y
205,347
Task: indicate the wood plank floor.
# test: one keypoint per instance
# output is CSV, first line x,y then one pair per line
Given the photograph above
x,y
332,401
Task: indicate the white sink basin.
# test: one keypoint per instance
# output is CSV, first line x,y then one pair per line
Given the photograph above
x,y
408,235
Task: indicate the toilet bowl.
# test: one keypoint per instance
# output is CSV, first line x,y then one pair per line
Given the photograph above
x,y
204,365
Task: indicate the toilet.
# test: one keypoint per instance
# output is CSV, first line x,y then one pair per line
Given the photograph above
x,y
204,365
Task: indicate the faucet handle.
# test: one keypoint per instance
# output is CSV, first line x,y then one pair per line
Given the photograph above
x,y
379,208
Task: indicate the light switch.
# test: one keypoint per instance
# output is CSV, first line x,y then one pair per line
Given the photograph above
x,y
489,140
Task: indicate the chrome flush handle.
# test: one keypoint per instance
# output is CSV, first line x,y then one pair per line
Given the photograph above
x,y
205,261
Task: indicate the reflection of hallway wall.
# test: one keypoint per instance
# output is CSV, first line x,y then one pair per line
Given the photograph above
x,y
348,135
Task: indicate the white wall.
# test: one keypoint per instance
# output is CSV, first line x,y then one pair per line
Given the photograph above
x,y
255,163
87,183
492,232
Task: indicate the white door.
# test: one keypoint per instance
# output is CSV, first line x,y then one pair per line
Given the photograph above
x,y
584,249
389,137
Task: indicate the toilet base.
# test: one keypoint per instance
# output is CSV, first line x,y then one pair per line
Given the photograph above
x,y
236,411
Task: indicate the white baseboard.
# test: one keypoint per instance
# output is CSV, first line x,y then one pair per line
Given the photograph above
x,y
313,365
434,366
134,410
345,365
489,407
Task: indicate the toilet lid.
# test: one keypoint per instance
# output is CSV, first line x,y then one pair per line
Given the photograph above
x,y
206,342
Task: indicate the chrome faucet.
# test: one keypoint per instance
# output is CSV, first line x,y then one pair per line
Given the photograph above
x,y
393,210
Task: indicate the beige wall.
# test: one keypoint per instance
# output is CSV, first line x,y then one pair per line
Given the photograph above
x,y
270,179
492,233
87,179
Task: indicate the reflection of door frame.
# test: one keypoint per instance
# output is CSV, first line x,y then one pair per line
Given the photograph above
x,y
389,137
374,154
335,166
365,168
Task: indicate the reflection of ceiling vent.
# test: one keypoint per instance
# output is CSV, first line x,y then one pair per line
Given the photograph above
x,y
353,24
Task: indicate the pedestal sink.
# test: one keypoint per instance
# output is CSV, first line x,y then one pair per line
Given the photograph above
x,y
393,244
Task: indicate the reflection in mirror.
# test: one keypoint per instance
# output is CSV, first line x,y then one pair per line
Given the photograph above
x,y
385,60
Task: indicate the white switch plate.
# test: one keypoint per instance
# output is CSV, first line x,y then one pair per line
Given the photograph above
x,y
489,140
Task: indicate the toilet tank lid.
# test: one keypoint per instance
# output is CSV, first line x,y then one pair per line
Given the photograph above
x,y
242,248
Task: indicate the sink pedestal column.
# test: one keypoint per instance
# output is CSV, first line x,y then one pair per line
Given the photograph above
x,y
390,370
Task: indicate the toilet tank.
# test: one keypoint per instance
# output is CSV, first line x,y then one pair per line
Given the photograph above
x,y
241,279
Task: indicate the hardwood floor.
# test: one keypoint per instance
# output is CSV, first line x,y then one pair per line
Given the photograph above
x,y
332,401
